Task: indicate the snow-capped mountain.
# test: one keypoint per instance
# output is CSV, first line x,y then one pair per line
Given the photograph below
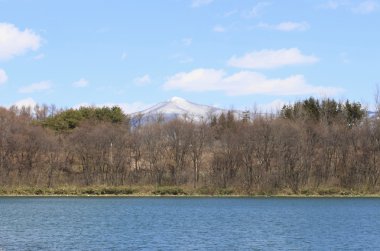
x,y
180,108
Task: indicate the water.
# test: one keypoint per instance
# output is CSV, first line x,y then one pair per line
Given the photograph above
x,y
189,224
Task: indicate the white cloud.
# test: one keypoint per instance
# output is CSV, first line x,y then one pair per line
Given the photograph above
x,y
285,26
244,83
15,42
199,3
143,80
28,102
126,107
40,86
187,42
268,59
196,80
80,83
256,10
219,28
366,7
3,77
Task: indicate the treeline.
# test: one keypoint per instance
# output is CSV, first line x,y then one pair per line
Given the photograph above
x,y
310,145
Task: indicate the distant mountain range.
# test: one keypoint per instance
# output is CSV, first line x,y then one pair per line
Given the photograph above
x,y
179,108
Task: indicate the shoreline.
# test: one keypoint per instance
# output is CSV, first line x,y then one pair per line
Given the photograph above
x,y
369,196
173,192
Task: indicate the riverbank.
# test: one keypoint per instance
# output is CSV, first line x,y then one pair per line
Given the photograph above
x,y
150,191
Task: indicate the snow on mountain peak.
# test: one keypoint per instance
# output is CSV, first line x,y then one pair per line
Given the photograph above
x,y
177,100
177,106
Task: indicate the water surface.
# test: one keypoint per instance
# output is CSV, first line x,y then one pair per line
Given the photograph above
x,y
189,224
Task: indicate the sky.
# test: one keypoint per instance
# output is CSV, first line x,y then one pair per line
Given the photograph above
x,y
226,53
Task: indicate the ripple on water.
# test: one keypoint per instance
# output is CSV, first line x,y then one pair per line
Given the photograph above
x,y
188,223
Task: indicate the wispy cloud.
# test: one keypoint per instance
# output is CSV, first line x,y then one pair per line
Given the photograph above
x,y
361,7
3,77
15,42
256,10
39,56
344,57
199,3
124,56
80,83
244,83
334,4
268,59
366,7
187,41
219,28
143,80
285,26
36,87
186,60
230,13
182,58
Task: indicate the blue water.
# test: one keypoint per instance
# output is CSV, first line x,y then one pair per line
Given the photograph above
x,y
189,224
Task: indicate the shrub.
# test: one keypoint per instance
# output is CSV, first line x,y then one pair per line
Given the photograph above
x,y
169,191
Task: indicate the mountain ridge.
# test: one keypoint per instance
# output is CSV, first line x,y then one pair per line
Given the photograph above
x,y
179,107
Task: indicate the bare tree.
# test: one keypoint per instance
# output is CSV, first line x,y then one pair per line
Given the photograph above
x,y
198,140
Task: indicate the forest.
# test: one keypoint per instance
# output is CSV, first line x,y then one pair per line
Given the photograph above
x,y
310,147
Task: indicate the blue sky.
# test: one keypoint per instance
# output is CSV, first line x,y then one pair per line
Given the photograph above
x,y
232,54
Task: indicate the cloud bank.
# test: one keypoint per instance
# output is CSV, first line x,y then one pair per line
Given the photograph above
x,y
244,83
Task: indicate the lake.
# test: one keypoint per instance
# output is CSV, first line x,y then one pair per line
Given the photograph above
x,y
189,223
